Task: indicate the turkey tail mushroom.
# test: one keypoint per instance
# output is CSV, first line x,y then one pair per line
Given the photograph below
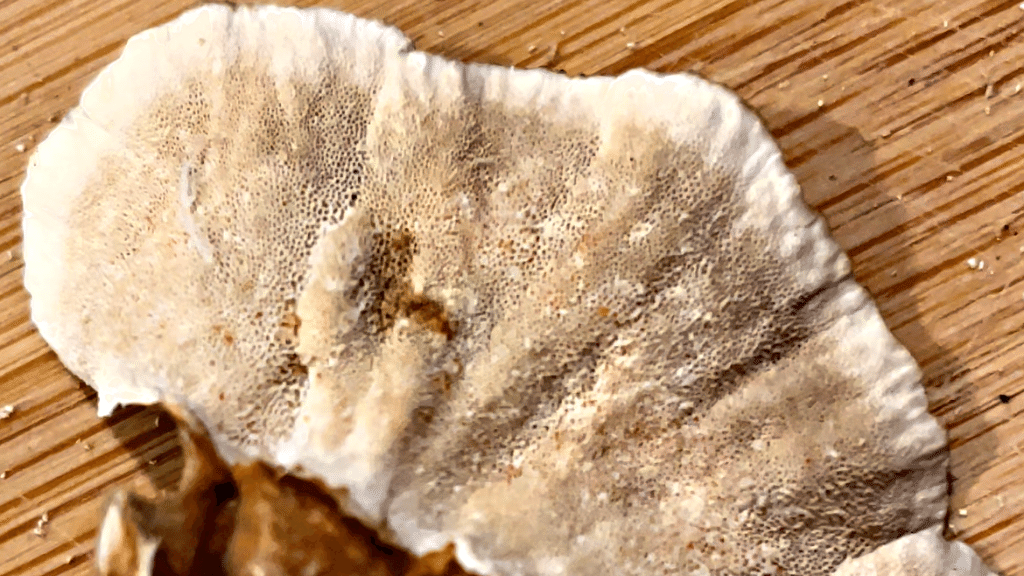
x,y
568,326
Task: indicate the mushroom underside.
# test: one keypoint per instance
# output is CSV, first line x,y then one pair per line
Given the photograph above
x,y
504,319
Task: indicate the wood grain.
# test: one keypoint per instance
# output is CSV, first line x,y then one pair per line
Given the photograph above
x,y
903,120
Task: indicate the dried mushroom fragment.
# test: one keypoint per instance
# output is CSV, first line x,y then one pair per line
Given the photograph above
x,y
573,326
246,519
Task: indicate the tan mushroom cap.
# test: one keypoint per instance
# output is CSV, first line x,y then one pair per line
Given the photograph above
x,y
575,326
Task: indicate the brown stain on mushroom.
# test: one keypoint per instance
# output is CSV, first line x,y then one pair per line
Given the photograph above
x,y
225,335
391,258
427,313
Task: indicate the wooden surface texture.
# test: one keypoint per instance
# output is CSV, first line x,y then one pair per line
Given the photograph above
x,y
902,119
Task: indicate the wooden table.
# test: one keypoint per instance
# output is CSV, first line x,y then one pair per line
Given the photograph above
x,y
903,120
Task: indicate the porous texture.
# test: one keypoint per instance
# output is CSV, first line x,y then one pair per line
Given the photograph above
x,y
575,326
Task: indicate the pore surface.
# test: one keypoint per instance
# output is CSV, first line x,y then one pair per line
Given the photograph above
x,y
576,326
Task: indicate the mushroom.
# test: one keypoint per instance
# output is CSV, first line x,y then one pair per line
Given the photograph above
x,y
551,325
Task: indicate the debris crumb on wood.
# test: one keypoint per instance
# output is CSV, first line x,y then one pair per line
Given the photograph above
x,y
531,49
553,55
3,475
6,412
972,263
962,512
40,529
945,23
821,103
783,84
1016,89
19,147
949,177
989,90
988,110
630,45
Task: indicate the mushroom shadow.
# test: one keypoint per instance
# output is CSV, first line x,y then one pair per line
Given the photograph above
x,y
149,434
